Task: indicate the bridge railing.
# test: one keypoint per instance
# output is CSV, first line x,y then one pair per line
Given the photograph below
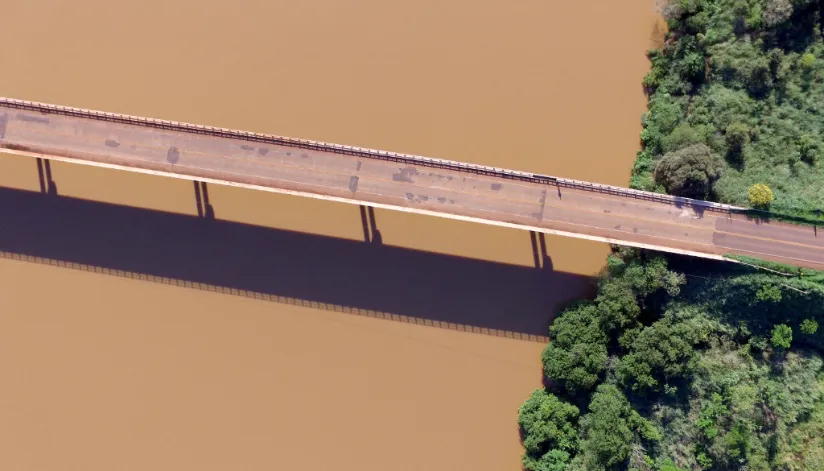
x,y
646,195
407,159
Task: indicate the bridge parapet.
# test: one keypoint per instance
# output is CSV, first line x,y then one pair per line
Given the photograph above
x,y
408,159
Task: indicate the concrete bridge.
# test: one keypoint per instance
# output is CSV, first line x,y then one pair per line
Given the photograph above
x,y
401,182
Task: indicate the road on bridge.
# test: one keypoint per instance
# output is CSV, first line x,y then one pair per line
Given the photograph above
x,y
400,182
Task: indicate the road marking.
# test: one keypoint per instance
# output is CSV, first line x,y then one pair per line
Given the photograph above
x,y
406,209
529,186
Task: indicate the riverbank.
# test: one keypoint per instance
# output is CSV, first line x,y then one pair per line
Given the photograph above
x,y
682,364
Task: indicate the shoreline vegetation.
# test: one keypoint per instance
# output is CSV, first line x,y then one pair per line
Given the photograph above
x,y
688,364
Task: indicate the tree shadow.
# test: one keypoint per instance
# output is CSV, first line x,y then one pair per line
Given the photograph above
x,y
286,266
698,209
799,32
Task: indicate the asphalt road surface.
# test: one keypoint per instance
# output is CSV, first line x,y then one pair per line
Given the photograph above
x,y
405,183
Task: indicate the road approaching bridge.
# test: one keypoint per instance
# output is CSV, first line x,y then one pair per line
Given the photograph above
x,y
400,182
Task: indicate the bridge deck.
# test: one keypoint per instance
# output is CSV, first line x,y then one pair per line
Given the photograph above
x,y
406,183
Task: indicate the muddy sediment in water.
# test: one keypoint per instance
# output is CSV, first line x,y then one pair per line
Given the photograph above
x,y
154,323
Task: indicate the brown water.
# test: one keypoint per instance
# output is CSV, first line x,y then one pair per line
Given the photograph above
x,y
131,336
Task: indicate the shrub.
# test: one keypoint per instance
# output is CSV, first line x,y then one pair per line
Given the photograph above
x,y
760,195
549,427
769,293
577,354
807,60
809,326
808,148
689,172
660,353
737,134
777,11
611,427
782,336
682,136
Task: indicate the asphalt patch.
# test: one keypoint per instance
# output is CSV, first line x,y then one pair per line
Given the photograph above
x,y
173,155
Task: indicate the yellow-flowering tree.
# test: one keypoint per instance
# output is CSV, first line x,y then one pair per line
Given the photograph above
x,y
760,195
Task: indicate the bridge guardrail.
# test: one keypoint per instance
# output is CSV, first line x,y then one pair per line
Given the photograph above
x,y
361,151
664,198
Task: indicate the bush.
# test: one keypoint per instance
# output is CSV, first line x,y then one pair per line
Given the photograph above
x,y
611,428
760,195
809,326
777,11
659,354
808,148
768,293
782,336
682,136
549,428
737,134
807,60
689,172
577,354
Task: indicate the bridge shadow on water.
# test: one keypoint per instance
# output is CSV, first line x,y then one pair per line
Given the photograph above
x,y
343,275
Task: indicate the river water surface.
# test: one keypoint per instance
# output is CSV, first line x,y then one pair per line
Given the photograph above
x,y
136,335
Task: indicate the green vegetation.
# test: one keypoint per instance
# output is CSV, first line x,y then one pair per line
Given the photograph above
x,y
760,195
744,78
689,171
811,277
684,364
550,431
782,336
677,371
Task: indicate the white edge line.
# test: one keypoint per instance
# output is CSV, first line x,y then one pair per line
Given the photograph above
x,y
374,205
188,127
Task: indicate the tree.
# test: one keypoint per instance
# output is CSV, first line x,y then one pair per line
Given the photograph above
x,y
769,293
660,353
760,195
577,353
737,136
683,135
809,326
549,426
777,11
621,297
782,336
617,304
554,460
646,276
610,429
807,61
689,172
808,148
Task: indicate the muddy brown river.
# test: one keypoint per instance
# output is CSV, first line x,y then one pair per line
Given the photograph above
x,y
137,332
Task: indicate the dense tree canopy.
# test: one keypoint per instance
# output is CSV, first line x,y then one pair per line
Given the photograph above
x,y
746,79
611,430
690,373
658,355
689,171
681,364
549,427
577,356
